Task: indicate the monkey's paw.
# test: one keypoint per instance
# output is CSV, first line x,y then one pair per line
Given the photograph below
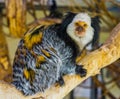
x,y
81,71
61,81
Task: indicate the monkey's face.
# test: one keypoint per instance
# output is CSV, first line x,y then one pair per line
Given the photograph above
x,y
80,28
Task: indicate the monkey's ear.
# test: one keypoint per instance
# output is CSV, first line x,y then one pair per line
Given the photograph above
x,y
95,23
67,19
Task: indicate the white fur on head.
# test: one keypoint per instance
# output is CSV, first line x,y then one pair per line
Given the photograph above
x,y
83,17
81,41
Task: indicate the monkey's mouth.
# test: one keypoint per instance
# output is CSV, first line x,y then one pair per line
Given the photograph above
x,y
79,31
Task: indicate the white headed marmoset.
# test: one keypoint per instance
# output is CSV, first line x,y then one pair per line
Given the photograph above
x,y
47,53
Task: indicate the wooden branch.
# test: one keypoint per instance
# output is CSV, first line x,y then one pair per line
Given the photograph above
x,y
5,65
16,17
93,62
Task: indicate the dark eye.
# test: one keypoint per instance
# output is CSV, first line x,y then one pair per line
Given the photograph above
x,y
77,24
85,25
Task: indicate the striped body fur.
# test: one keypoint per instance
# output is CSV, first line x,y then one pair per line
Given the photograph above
x,y
59,63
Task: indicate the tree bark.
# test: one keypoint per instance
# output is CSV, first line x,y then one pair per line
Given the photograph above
x,y
16,17
5,65
93,62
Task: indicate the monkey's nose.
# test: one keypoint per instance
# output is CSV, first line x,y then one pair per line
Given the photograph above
x,y
79,29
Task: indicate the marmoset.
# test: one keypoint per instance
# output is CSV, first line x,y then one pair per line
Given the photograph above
x,y
47,53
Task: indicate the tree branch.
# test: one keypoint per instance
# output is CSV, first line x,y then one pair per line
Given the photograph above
x,y
93,62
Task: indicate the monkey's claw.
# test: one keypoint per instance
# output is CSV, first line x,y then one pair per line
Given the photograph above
x,y
81,71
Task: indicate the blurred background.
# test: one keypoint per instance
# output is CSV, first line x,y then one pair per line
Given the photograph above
x,y
17,16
